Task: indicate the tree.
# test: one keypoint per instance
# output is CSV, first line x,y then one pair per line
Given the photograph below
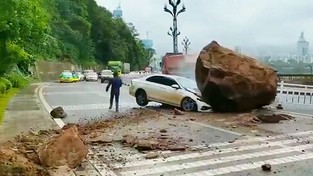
x,y
23,24
78,31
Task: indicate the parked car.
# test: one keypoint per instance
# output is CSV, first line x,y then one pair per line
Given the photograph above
x,y
85,72
75,77
106,75
91,76
66,77
81,76
168,89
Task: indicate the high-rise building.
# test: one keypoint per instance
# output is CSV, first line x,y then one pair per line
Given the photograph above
x,y
148,43
118,13
238,49
302,46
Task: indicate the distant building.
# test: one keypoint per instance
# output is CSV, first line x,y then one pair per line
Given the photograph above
x,y
302,46
147,43
238,49
303,50
118,13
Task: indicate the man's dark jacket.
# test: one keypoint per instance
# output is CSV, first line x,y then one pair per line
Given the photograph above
x,y
116,84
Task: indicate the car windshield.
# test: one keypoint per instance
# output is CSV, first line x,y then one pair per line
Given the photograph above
x,y
187,83
106,72
91,73
67,74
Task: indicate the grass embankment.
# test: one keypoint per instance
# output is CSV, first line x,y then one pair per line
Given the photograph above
x,y
4,101
10,84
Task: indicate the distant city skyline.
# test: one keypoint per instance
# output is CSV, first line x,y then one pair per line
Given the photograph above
x,y
259,27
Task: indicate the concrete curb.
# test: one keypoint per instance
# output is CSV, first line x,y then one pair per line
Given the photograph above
x,y
104,170
58,121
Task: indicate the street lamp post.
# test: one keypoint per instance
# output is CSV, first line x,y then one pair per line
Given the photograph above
x,y
186,44
174,31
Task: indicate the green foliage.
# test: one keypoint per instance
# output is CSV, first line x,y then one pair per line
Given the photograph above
x,y
3,88
78,31
8,85
18,80
290,67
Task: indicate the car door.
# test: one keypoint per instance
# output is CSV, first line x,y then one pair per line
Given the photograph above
x,y
154,88
171,95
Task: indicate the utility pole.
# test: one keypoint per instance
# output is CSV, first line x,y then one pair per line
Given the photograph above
x,y
186,44
174,12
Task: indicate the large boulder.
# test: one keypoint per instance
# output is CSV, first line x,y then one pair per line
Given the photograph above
x,y
232,82
67,149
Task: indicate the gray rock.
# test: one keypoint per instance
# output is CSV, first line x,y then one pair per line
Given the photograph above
x,y
58,113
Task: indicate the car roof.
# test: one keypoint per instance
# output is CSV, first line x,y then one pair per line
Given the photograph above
x,y
167,76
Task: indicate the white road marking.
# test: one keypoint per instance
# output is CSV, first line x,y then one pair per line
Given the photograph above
x,y
99,165
236,142
254,165
58,121
216,128
208,162
309,116
70,93
209,153
91,106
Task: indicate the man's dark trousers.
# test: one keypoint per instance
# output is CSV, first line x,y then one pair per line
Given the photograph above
x,y
116,84
117,96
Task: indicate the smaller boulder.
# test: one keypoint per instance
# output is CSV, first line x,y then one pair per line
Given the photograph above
x,y
152,155
58,113
177,148
146,145
163,131
101,140
279,107
266,167
129,140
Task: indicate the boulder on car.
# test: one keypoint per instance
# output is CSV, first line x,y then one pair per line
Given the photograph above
x,y
232,82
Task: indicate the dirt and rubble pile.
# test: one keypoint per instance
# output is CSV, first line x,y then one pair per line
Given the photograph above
x,y
252,119
67,149
19,156
232,82
12,162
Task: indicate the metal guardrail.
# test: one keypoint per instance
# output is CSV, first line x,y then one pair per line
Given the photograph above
x,y
295,93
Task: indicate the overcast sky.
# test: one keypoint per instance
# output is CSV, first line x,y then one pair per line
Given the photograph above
x,y
258,26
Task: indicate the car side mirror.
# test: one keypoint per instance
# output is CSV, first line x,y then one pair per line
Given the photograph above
x,y
175,86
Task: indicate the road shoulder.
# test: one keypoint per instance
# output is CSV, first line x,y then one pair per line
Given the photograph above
x,y
25,113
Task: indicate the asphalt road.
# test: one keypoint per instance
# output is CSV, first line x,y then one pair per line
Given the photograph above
x,y
85,101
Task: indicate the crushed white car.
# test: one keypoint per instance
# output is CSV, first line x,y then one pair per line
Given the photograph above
x,y
168,89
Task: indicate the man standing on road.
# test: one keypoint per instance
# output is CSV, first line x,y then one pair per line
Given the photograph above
x,y
116,84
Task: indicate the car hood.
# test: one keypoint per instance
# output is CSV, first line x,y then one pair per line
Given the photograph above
x,y
194,91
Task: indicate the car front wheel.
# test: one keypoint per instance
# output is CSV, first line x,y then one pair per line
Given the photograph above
x,y
188,104
141,98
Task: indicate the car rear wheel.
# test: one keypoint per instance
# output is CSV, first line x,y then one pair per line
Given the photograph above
x,y
141,98
188,104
